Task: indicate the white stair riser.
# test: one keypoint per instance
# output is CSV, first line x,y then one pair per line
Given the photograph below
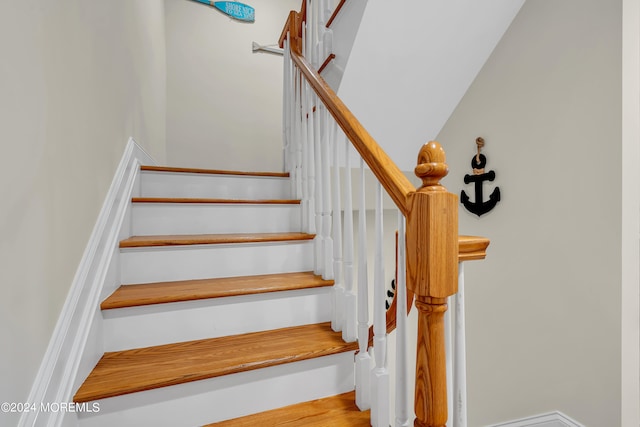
x,y
159,324
195,218
231,396
168,263
171,184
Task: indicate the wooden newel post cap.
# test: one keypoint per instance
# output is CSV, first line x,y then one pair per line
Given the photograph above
x,y
432,229
432,165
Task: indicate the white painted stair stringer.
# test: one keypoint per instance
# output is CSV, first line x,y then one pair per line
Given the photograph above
x,y
162,264
209,218
77,341
152,325
220,186
229,396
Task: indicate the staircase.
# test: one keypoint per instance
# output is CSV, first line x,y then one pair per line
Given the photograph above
x,y
220,315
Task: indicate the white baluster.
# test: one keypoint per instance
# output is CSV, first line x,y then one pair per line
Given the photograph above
x,y
460,362
380,374
349,328
337,319
317,144
327,219
363,359
311,162
327,42
285,108
319,26
304,144
308,54
449,360
326,12
289,102
327,33
300,176
294,116
403,413
303,138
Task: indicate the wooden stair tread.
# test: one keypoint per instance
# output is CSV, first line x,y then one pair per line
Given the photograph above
x,y
214,201
334,411
208,239
190,290
212,171
131,371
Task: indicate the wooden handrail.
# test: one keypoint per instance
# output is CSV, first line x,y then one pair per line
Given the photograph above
x,y
388,174
472,248
434,248
335,13
294,24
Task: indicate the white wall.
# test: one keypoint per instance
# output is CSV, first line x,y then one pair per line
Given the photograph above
x,y
77,79
224,105
544,307
630,213
411,64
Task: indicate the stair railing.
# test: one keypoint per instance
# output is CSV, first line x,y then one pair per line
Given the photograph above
x,y
430,252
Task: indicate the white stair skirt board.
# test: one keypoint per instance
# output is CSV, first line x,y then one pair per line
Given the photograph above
x,y
157,324
192,218
168,263
179,184
226,397
76,342
552,419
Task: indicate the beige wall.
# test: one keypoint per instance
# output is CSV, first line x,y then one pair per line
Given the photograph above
x,y
224,102
544,308
77,79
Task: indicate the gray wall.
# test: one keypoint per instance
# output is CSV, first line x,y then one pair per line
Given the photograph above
x,y
544,308
77,79
224,103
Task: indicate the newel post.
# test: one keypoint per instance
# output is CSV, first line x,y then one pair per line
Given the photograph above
x,y
432,267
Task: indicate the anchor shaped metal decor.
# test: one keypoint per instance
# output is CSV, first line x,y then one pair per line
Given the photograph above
x,y
479,206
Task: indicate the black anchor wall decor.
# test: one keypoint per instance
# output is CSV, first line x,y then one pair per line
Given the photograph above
x,y
479,206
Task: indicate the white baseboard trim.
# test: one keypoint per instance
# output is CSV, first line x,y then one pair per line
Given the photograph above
x,y
70,347
552,419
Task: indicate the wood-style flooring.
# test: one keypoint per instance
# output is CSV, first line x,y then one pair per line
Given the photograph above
x,y
334,411
191,290
210,239
130,371
211,171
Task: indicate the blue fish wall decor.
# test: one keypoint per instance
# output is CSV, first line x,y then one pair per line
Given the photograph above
x,y
234,9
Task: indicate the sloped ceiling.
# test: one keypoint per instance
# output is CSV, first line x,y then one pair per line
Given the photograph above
x,y
410,65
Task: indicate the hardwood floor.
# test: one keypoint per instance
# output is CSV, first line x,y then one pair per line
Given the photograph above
x,y
334,411
190,290
212,171
220,201
209,239
130,371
